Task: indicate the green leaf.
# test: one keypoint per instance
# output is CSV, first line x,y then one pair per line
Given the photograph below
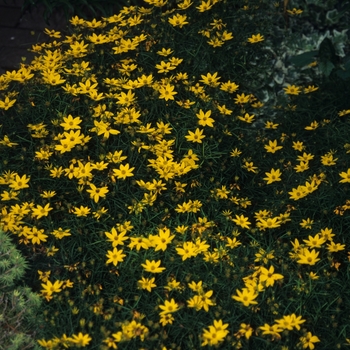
x,y
326,52
303,59
326,67
332,17
344,72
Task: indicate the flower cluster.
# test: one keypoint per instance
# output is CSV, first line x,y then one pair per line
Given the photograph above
x,y
163,201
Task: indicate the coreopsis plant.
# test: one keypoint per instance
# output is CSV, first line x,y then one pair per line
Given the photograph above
x,y
163,198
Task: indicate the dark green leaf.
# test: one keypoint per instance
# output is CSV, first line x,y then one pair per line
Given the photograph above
x,y
303,59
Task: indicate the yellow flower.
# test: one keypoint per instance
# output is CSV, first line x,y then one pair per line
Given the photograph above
x,y
313,126
204,6
71,123
204,118
48,194
117,238
315,242
53,78
44,276
235,152
308,257
273,330
124,171
168,307
298,145
245,331
97,193
290,322
295,11
271,125
6,142
19,183
335,247
153,266
166,319
232,243
185,4
307,224
40,211
188,250
302,166
344,112
242,221
52,33
241,99
167,92
310,88
306,157
98,39
37,236
178,20
82,211
292,90
247,118
297,193
229,87
247,296
163,239
196,136
210,79
309,340
263,224
115,256
215,334
146,283
328,159
165,52
256,38
7,103
81,340
267,276
50,288
273,176
345,176
272,147
250,167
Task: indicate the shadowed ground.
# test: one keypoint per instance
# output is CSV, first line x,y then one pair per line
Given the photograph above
x,y
19,32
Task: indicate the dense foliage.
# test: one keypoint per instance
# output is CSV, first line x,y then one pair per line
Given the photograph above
x,y
177,176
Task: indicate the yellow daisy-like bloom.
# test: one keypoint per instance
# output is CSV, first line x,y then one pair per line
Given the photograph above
x,y
345,176
242,221
204,118
124,171
292,90
247,296
294,11
97,192
256,38
196,136
268,277
178,20
167,92
272,147
7,103
308,257
247,118
169,307
273,176
115,256
153,266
